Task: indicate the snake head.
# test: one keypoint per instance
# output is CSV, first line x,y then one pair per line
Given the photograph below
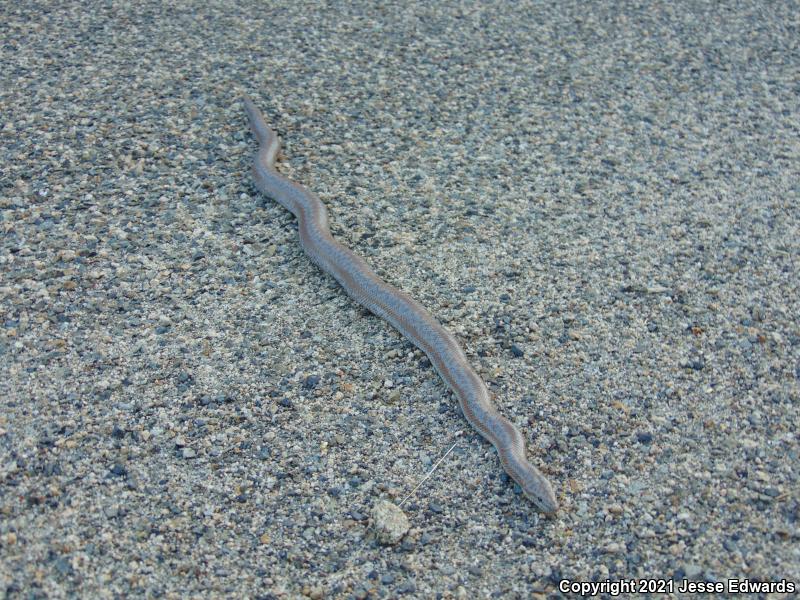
x,y
539,491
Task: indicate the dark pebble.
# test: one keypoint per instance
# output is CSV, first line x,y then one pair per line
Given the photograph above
x,y
517,351
407,588
730,546
119,470
52,469
311,382
644,437
63,567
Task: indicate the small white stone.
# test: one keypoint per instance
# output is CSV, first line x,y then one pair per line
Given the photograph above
x,y
612,548
389,522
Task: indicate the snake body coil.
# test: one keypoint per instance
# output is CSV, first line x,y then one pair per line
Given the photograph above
x,y
406,314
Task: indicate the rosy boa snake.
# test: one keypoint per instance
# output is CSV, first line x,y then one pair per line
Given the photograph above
x,y
406,314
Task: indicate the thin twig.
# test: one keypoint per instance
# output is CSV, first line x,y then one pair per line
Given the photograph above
x,y
424,479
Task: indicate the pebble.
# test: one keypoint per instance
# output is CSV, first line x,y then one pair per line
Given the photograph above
x,y
692,571
389,522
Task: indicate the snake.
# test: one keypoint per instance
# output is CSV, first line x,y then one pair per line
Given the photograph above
x,y
399,309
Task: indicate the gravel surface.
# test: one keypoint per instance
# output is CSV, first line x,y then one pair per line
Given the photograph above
x,y
599,199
